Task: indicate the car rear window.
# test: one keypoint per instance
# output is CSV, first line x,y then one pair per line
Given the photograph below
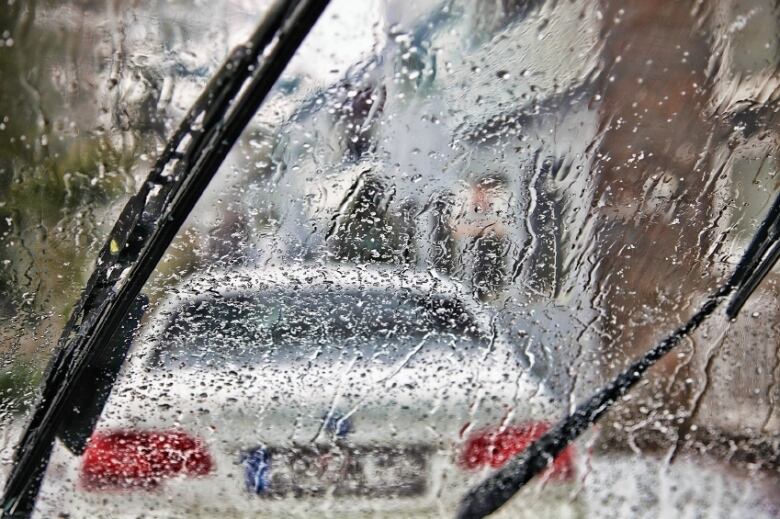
x,y
292,325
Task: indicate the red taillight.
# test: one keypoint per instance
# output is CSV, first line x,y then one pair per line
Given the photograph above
x,y
494,447
132,459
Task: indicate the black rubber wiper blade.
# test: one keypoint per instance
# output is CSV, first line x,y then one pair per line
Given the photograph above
x,y
148,224
757,260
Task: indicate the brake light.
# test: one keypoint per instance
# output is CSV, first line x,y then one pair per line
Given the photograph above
x,y
494,447
141,459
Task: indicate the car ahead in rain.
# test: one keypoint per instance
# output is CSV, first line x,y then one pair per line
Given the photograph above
x,y
282,392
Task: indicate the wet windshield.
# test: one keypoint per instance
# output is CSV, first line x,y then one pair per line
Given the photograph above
x,y
483,212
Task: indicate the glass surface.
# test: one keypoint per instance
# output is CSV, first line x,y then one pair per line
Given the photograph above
x,y
539,190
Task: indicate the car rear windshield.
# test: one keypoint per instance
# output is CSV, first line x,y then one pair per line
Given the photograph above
x,y
293,325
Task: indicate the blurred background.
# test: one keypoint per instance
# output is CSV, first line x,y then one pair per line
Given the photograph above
x,y
590,170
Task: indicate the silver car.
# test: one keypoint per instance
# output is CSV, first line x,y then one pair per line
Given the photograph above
x,y
285,392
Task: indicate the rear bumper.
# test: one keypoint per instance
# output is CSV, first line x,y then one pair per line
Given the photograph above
x,y
223,495
548,504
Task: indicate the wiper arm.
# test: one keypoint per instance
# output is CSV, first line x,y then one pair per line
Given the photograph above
x,y
148,224
757,260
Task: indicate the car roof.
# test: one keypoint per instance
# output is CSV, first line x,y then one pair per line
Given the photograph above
x,y
320,275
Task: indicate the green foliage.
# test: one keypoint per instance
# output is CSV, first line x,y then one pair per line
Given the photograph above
x,y
18,381
60,181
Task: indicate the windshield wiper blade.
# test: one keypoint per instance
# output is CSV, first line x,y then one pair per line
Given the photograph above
x,y
757,260
148,224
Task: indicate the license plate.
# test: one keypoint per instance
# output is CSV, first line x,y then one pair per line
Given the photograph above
x,y
348,471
